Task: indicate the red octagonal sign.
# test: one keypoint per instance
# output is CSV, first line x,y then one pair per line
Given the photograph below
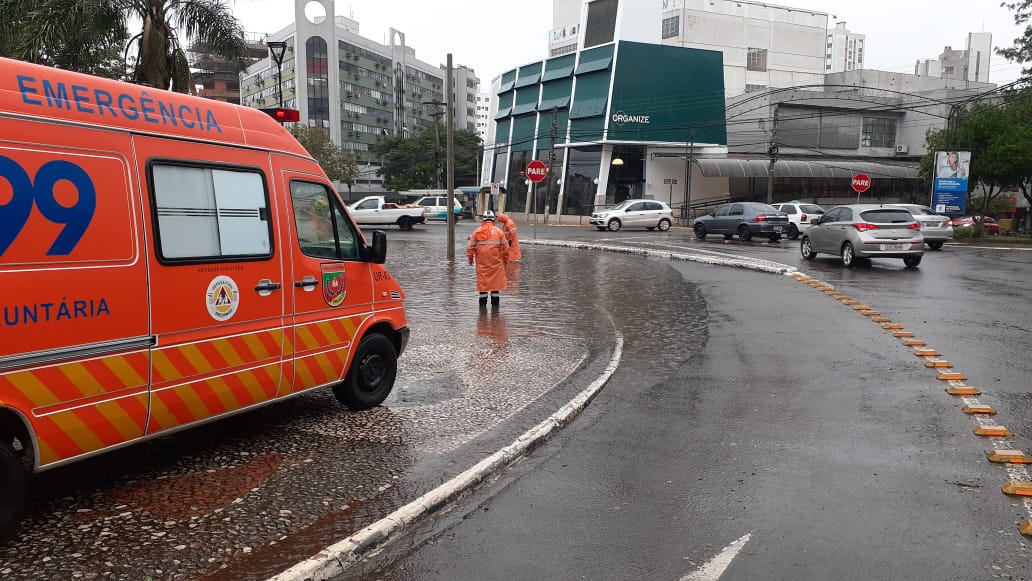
x,y
537,170
861,183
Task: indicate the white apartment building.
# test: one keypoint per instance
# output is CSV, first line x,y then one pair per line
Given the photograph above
x,y
483,115
464,97
764,46
970,64
845,50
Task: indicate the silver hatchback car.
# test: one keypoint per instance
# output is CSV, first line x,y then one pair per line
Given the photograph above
x,y
865,231
634,213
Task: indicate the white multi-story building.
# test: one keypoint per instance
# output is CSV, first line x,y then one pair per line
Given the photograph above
x,y
845,50
564,35
970,64
359,90
764,46
483,114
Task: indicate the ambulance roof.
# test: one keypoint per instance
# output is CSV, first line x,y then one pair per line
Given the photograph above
x,y
43,92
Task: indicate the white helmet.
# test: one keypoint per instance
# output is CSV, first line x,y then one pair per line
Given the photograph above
x,y
489,215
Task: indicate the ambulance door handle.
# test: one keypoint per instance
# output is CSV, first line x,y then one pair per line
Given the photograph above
x,y
308,283
266,286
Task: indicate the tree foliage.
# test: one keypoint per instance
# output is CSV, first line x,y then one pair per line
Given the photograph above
x,y
1021,50
999,137
338,165
419,161
86,35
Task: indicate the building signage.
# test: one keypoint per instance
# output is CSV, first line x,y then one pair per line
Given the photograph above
x,y
950,185
620,118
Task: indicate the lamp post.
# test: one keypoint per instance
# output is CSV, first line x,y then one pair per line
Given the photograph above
x,y
277,48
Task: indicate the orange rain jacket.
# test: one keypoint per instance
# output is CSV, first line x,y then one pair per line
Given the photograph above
x,y
488,246
508,226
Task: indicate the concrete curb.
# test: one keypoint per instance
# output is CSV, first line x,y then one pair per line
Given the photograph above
x,y
335,559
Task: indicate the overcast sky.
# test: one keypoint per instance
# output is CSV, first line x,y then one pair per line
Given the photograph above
x,y
493,36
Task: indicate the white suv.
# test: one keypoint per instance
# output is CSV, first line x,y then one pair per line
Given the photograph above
x,y
799,216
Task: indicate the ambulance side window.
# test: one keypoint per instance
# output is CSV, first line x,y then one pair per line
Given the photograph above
x,y
322,226
210,213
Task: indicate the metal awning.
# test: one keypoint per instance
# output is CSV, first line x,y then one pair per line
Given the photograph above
x,y
795,168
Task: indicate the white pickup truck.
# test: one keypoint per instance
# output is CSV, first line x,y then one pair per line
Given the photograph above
x,y
377,211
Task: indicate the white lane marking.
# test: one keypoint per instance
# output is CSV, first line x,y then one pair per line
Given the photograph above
x,y
716,566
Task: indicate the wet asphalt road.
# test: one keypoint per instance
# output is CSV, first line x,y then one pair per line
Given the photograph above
x,y
249,496
798,428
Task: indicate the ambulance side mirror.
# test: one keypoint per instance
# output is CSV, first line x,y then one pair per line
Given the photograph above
x,y
377,251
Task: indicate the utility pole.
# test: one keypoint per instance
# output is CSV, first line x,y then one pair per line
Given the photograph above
x,y
551,160
450,141
688,178
772,151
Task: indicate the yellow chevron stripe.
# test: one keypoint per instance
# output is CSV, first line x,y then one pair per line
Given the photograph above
x,y
283,340
351,325
46,453
125,372
164,367
224,393
305,337
119,419
302,372
257,349
226,350
327,367
82,379
331,334
193,401
33,389
196,358
161,414
77,431
254,389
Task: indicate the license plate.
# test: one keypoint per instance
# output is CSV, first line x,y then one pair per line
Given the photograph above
x,y
777,228
895,246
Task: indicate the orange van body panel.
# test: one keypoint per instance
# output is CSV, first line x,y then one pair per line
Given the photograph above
x,y
103,341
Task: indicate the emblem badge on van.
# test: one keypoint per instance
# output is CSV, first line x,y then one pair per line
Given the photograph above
x,y
335,286
223,298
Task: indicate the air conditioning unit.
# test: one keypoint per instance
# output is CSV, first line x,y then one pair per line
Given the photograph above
x,y
902,148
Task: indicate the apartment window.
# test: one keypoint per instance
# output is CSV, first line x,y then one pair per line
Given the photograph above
x,y
601,23
757,59
878,132
829,45
754,88
671,26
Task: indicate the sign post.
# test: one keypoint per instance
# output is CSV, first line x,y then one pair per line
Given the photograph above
x,y
536,172
861,183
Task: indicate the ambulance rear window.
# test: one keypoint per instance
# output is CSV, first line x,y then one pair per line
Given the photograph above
x,y
210,213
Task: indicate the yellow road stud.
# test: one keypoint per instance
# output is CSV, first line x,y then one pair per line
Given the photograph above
x,y
892,326
851,302
926,352
1025,528
1017,488
938,363
862,308
963,390
882,320
1009,457
990,431
903,334
950,375
845,298
912,342
978,408
870,313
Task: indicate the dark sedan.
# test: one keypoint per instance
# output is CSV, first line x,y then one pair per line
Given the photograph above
x,y
744,219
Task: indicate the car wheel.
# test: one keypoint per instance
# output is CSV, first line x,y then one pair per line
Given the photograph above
x,y
700,231
405,223
848,258
793,232
614,225
664,225
911,261
744,233
936,245
806,248
14,484
371,376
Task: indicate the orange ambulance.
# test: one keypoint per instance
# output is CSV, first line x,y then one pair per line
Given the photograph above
x,y
167,260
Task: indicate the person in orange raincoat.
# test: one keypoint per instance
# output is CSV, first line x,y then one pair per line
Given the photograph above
x,y
508,226
489,247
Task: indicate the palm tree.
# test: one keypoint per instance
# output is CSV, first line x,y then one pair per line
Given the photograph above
x,y
43,30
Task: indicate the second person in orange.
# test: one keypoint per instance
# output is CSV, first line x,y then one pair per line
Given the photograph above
x,y
508,226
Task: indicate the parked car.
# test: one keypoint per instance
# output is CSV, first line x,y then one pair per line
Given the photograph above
x,y
799,216
991,227
935,228
865,231
648,214
745,219
437,207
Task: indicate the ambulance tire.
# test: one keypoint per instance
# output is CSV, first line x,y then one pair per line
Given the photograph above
x,y
14,484
372,374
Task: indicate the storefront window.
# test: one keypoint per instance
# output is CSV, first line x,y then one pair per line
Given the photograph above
x,y
579,182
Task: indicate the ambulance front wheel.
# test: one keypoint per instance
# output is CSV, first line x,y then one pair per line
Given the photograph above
x,y
371,377
14,482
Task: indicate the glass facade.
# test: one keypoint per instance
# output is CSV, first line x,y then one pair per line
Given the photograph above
x,y
317,70
579,182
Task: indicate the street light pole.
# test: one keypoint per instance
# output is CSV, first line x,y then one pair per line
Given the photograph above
x,y
277,48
